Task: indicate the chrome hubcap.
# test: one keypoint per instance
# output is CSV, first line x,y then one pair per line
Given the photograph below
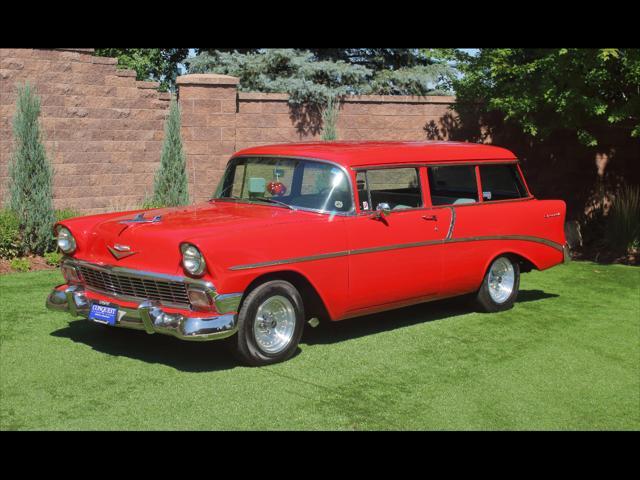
x,y
274,324
501,280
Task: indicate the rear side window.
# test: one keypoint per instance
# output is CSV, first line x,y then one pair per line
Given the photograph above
x,y
501,182
454,185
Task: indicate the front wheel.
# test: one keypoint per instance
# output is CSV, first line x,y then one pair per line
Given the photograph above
x,y
500,286
270,324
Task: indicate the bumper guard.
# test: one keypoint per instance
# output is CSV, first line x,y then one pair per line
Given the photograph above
x,y
148,316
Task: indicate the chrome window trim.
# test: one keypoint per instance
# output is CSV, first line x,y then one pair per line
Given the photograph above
x,y
386,166
441,163
372,210
351,212
522,183
451,224
515,161
382,248
477,204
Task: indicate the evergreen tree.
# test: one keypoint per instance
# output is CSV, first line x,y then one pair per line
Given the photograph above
x,y
329,120
170,186
312,76
31,176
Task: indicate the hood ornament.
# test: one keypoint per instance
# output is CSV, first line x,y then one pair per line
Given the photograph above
x,y
139,218
120,251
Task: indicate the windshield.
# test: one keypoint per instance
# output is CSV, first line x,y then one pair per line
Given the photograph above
x,y
287,182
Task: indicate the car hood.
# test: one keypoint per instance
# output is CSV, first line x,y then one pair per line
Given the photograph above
x,y
154,244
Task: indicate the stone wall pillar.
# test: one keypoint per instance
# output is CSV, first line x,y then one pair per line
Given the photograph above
x,y
209,105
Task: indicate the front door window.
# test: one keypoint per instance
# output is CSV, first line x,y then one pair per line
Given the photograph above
x,y
399,188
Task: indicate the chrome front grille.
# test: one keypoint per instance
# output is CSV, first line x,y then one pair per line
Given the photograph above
x,y
134,287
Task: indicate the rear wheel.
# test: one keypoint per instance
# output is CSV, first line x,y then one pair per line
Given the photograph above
x,y
270,324
500,286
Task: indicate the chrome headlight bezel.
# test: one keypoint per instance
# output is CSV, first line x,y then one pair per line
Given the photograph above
x,y
192,259
65,240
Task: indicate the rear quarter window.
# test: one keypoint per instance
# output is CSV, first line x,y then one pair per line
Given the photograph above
x,y
453,185
501,182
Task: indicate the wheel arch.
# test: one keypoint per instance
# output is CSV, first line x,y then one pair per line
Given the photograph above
x,y
525,262
314,304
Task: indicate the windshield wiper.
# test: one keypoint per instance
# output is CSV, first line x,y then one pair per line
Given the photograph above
x,y
257,199
271,200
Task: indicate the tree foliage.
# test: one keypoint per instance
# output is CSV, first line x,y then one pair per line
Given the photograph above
x,y
330,119
170,186
373,58
157,64
31,176
313,76
547,90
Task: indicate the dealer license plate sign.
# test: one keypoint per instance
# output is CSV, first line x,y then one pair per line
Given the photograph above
x,y
107,314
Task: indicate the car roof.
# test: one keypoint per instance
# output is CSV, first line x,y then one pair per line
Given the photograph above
x,y
357,154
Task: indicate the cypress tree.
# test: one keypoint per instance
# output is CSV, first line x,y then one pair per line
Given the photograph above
x,y
170,186
31,176
329,119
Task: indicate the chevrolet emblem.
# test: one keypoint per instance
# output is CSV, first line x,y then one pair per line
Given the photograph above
x,y
120,251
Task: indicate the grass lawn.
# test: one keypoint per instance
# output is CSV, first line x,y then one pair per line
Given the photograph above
x,y
566,357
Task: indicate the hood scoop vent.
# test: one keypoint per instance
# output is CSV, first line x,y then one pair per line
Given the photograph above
x,y
139,218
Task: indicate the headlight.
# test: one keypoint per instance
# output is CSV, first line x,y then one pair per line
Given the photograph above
x,y
65,240
192,260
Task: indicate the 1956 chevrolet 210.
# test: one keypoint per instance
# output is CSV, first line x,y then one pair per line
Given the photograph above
x,y
302,232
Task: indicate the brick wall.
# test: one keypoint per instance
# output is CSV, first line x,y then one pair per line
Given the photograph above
x,y
208,104
218,120
103,130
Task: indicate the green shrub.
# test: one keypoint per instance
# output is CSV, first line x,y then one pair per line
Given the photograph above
x,y
10,244
329,119
53,258
170,186
66,213
150,203
21,264
31,175
622,234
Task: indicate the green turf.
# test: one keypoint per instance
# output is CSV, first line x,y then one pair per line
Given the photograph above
x,y
566,357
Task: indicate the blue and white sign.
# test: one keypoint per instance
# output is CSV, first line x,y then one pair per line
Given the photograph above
x,y
103,314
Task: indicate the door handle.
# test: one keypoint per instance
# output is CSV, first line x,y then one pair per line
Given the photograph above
x,y
430,218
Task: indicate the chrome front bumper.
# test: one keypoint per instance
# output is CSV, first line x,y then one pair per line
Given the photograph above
x,y
148,316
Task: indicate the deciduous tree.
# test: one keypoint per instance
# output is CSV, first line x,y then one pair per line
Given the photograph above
x,y
550,90
157,64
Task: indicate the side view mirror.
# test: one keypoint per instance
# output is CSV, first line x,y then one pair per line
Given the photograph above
x,y
382,210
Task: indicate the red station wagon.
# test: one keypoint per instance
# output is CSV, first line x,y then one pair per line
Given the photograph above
x,y
310,231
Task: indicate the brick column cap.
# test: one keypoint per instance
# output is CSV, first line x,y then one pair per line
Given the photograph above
x,y
80,50
207,79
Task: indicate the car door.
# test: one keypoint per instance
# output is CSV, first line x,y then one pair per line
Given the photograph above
x,y
394,259
455,188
